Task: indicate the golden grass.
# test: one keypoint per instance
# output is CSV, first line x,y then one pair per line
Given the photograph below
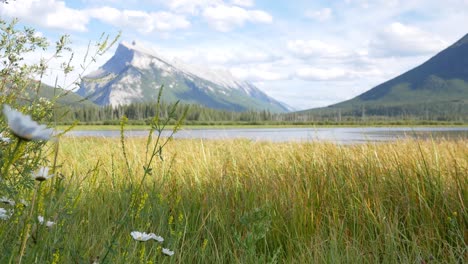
x,y
238,201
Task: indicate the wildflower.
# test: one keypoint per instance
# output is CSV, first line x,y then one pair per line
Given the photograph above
x,y
23,202
47,224
160,239
42,174
7,201
24,127
4,139
139,236
168,252
4,214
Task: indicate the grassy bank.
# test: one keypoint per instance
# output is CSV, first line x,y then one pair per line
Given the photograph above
x,y
252,202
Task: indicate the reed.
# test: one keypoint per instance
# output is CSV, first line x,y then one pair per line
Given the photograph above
x,y
238,201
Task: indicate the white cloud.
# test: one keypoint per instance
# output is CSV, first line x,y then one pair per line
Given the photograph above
x,y
234,57
316,74
47,13
314,48
246,3
143,22
258,74
190,6
402,40
321,15
224,18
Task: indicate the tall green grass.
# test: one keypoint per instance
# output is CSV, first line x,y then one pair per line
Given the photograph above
x,y
253,202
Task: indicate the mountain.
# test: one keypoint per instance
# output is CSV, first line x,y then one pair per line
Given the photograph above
x,y
439,84
135,74
63,97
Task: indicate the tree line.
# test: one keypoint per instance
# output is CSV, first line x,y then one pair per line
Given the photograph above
x,y
142,113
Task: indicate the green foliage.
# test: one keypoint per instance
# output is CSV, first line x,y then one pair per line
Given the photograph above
x,y
25,154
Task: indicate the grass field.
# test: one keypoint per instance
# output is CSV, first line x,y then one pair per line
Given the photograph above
x,y
250,202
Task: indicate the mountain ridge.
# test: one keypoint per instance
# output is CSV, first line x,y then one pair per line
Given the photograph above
x,y
439,84
134,74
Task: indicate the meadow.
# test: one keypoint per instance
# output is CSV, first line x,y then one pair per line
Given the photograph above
x,y
238,201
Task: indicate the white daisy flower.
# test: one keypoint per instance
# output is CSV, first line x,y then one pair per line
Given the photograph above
x,y
4,214
4,139
42,174
5,200
50,224
24,202
47,224
167,251
24,127
139,236
160,239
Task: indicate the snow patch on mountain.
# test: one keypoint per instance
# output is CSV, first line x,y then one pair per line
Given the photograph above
x,y
144,57
134,74
126,91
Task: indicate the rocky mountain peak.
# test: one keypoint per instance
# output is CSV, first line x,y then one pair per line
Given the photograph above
x,y
135,73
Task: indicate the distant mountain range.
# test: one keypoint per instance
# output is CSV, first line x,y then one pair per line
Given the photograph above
x,y
440,84
135,74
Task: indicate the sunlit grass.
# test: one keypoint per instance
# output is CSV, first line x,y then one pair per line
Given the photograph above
x,y
241,201
255,202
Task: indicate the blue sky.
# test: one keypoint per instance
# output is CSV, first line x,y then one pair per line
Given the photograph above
x,y
304,53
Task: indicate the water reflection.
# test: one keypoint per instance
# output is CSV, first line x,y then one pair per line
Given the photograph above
x,y
339,135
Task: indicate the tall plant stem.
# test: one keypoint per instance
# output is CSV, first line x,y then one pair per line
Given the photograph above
x,y
27,225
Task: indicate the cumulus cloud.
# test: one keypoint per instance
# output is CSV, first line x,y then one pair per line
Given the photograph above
x,y
315,48
321,15
220,57
56,14
258,74
317,74
143,22
235,57
190,6
224,18
401,40
246,3
47,13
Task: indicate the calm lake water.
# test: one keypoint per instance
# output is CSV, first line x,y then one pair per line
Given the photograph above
x,y
345,135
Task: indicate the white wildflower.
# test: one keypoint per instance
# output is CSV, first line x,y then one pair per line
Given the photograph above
x,y
24,127
47,224
168,252
42,174
24,202
6,200
4,139
160,239
4,214
141,236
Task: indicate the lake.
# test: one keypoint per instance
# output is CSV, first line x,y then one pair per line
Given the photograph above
x,y
342,135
